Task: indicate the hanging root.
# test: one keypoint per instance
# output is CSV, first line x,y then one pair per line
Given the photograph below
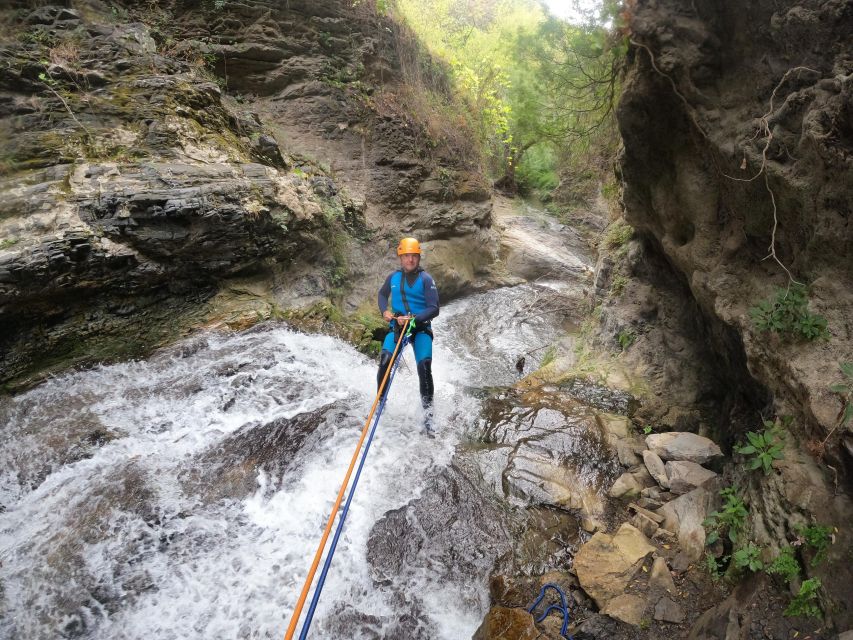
x,y
763,131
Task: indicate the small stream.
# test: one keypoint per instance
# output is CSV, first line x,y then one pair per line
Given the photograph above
x,y
183,496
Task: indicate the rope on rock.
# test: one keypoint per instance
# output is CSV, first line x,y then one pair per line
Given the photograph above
x,y
563,607
381,396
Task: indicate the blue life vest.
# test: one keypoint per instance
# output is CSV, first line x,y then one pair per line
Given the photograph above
x,y
415,294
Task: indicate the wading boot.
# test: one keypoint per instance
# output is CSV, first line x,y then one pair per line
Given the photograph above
x,y
427,393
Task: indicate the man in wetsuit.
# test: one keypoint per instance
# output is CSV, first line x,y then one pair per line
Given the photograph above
x,y
411,292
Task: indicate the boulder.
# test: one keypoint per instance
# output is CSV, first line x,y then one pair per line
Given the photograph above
x,y
684,516
686,476
626,485
660,577
502,623
668,611
683,445
606,564
631,483
645,524
656,468
627,607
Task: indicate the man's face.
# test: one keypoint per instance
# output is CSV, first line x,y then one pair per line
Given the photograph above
x,y
410,261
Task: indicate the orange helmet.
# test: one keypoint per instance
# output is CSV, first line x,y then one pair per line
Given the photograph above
x,y
408,245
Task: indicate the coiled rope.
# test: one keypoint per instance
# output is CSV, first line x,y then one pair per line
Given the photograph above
x,y
381,396
563,607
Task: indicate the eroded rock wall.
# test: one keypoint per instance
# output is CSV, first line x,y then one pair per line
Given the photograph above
x,y
738,158
186,163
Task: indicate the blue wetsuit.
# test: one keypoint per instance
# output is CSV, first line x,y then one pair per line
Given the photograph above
x,y
418,297
412,294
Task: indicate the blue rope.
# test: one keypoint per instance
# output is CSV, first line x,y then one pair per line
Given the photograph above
x,y
562,607
328,563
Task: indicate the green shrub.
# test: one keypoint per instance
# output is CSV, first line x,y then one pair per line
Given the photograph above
x,y
763,447
805,603
748,557
617,235
712,566
818,537
788,313
785,565
729,520
618,285
537,170
626,338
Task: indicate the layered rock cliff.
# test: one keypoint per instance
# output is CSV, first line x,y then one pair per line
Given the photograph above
x,y
190,163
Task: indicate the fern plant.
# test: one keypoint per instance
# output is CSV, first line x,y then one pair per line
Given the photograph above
x,y
785,565
805,603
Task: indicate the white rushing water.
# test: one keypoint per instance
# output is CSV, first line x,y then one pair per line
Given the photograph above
x,y
126,543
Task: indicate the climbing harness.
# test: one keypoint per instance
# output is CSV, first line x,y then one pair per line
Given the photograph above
x,y
379,401
563,607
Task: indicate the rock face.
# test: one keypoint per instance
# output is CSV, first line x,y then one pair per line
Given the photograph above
x,y
152,182
738,146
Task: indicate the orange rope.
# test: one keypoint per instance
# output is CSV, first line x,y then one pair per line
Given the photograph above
x,y
294,619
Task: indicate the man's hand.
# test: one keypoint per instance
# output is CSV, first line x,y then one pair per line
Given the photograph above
x,y
403,320
387,315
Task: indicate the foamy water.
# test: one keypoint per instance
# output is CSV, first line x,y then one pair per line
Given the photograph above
x,y
120,545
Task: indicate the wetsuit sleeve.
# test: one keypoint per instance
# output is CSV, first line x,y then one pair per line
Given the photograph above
x,y
384,294
431,299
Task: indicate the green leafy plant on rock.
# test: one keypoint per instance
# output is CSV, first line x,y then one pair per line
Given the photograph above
x,y
785,565
617,287
748,557
763,447
712,565
787,313
805,603
818,537
617,235
626,338
729,520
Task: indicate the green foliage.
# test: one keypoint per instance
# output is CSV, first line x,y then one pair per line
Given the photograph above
x,y
5,243
748,557
536,88
617,235
626,338
845,389
536,172
818,537
729,520
617,287
805,603
712,566
763,447
785,565
549,356
787,313
647,429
